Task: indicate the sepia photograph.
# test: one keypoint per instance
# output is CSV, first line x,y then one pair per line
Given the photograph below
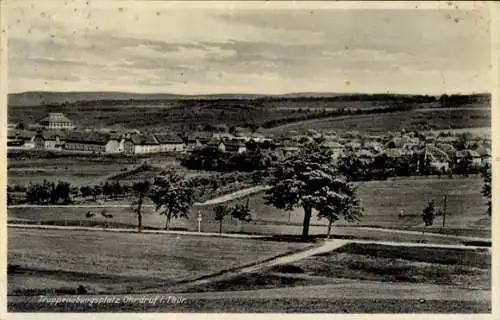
x,y
285,157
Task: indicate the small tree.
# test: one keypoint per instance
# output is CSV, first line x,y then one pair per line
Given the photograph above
x,y
221,211
96,191
428,215
242,212
63,191
343,203
107,189
172,196
86,191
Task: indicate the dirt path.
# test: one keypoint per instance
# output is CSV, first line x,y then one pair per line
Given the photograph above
x,y
216,200
327,246
233,196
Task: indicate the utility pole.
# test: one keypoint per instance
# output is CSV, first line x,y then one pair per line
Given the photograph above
x,y
199,221
444,211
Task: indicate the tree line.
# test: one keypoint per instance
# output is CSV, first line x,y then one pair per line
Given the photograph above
x,y
213,159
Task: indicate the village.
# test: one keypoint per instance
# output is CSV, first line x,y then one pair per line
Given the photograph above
x,y
57,133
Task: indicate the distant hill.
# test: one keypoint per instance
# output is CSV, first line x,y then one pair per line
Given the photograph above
x,y
38,98
46,98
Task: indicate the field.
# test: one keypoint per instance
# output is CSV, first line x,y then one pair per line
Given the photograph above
x,y
82,170
112,262
371,262
480,132
182,115
430,118
382,200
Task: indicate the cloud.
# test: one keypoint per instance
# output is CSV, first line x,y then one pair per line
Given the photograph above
x,y
161,46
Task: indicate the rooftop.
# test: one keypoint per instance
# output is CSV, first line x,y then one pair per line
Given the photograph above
x,y
56,117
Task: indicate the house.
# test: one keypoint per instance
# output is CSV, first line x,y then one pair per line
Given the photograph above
x,y
448,149
396,153
485,154
49,140
24,139
53,140
215,143
91,142
335,147
197,140
373,146
234,146
446,139
471,155
169,142
56,121
439,160
364,154
143,144
401,142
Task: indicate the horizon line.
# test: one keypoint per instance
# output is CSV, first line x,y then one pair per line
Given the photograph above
x,y
257,94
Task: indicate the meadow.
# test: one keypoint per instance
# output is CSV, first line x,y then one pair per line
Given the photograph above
x,y
188,114
368,263
427,119
382,201
115,262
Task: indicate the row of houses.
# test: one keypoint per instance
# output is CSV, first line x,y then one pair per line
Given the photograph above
x,y
129,143
95,142
438,151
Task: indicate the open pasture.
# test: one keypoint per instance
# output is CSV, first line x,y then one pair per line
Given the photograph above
x,y
119,262
382,201
435,119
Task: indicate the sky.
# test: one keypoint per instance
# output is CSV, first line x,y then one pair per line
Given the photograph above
x,y
194,48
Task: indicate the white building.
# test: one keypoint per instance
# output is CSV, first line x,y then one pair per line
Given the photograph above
x,y
56,121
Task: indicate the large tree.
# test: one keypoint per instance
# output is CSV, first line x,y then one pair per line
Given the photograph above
x,y
308,179
172,196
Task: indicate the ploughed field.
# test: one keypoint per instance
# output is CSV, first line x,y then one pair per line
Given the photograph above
x,y
58,261
382,201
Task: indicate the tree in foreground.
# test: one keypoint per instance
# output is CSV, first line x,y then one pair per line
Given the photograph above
x,y
172,196
221,211
309,180
486,191
141,190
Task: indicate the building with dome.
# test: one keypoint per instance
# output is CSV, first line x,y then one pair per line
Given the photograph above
x,y
56,121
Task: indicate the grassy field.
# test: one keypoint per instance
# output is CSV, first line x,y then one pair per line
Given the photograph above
x,y
187,114
382,200
434,119
371,262
480,132
113,262
83,170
